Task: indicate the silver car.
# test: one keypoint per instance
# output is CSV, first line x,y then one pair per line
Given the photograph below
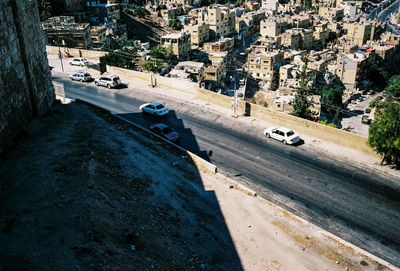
x,y
110,81
81,76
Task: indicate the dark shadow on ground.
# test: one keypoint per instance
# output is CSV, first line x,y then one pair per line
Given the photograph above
x,y
187,138
84,190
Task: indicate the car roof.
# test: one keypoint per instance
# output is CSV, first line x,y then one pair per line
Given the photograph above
x,y
160,125
155,103
109,76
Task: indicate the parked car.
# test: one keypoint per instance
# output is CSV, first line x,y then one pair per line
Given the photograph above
x,y
165,131
365,119
155,109
285,135
79,61
367,110
110,81
81,76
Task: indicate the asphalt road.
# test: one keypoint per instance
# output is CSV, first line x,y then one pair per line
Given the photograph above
x,y
358,204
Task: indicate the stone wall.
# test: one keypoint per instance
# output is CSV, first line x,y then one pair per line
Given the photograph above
x,y
25,79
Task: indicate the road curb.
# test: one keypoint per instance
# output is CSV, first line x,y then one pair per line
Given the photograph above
x,y
235,185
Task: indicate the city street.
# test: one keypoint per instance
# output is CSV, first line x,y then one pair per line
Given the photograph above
x,y
356,203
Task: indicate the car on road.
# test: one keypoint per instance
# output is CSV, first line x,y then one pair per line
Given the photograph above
x,y
367,110
165,131
154,108
79,61
81,76
285,135
110,81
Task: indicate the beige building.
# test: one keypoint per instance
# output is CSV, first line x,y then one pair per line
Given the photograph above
x,y
265,66
272,27
358,33
64,31
98,35
266,44
332,14
321,33
221,19
199,33
221,45
171,12
352,68
298,38
214,74
180,43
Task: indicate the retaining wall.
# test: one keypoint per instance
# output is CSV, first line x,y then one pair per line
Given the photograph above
x,y
53,50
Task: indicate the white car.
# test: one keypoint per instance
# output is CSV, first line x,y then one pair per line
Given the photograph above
x,y
155,109
285,135
79,61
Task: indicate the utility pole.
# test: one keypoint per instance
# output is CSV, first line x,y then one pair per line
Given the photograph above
x,y
59,52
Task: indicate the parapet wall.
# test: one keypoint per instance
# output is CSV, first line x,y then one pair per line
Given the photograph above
x,y
25,82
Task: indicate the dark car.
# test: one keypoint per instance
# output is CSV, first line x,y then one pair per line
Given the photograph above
x,y
165,131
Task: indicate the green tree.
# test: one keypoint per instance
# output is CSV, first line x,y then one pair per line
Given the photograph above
x,y
301,103
384,133
160,52
139,12
152,66
124,58
331,99
175,24
393,88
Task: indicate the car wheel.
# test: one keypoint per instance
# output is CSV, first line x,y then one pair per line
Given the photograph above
x,y
267,135
96,83
284,142
108,86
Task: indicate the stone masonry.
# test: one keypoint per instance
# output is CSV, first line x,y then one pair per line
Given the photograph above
x,y
26,90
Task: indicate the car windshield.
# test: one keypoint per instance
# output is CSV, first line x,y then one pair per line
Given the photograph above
x,y
115,79
290,133
86,74
160,106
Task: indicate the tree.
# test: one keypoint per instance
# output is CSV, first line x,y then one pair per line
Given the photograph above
x,y
152,66
124,58
384,133
393,88
301,103
139,12
160,52
175,24
331,99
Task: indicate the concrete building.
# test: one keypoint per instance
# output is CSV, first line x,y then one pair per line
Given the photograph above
x,y
63,31
199,33
270,5
299,38
332,14
351,8
321,33
352,68
171,12
221,21
98,35
265,66
272,27
358,33
215,73
193,71
180,43
266,44
221,45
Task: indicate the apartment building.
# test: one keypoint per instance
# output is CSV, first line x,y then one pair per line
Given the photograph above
x,y
265,66
300,21
270,5
180,43
176,2
321,33
63,31
221,20
359,32
352,68
171,12
298,38
332,14
266,44
199,33
215,73
273,27
221,45
98,35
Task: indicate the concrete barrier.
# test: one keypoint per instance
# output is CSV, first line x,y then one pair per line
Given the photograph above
x,y
53,50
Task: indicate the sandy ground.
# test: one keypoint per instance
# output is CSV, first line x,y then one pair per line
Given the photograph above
x,y
81,190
